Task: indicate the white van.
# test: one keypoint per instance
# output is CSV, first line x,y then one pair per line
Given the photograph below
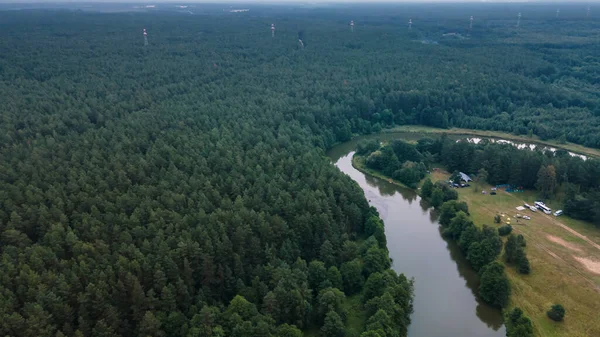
x,y
558,213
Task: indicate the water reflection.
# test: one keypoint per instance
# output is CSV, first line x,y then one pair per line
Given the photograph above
x,y
424,205
414,136
386,188
519,145
383,187
486,313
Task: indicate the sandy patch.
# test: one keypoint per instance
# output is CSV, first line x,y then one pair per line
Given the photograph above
x,y
563,243
591,265
574,232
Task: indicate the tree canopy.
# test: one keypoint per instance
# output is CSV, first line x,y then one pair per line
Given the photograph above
x,y
181,188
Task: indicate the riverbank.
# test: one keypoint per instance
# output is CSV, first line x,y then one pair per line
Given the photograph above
x,y
416,129
358,162
563,253
440,272
558,251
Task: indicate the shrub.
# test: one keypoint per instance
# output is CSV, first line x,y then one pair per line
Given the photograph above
x,y
505,230
366,147
521,240
427,188
524,267
514,253
517,324
494,287
556,312
437,197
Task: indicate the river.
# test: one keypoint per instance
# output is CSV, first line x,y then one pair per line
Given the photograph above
x,y
445,303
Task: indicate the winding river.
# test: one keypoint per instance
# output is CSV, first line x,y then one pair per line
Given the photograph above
x,y
445,301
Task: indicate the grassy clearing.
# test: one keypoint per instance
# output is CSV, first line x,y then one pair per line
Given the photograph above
x,y
557,276
555,247
357,316
496,134
355,321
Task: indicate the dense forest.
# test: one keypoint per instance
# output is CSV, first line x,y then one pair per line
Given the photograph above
x,y
180,188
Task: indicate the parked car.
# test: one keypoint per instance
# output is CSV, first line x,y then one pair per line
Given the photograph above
x,y
558,213
526,217
533,209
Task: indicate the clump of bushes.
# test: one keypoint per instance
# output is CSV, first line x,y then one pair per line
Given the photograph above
x,y
514,253
556,313
505,230
518,324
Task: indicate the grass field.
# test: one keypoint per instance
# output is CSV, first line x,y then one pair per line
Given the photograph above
x,y
561,252
356,319
496,134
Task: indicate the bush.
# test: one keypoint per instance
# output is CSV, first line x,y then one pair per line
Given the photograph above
x,y
427,188
366,147
521,240
497,218
447,213
334,325
524,267
494,287
486,250
437,197
505,230
449,193
514,253
352,276
517,324
462,206
556,312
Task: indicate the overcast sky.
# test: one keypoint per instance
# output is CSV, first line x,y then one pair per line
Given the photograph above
x,y
311,2
296,1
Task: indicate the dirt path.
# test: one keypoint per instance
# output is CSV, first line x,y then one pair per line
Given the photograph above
x,y
589,265
572,231
553,220
541,245
582,269
563,243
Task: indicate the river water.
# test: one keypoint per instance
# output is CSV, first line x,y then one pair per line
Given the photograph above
x,y
445,303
